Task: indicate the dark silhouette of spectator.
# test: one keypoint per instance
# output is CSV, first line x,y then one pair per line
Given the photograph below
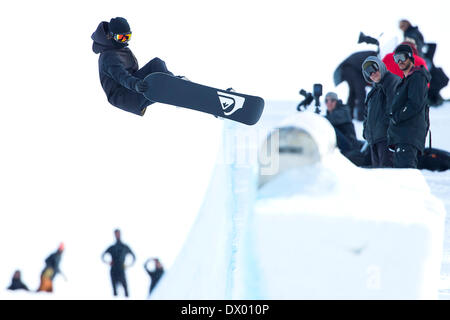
x,y
409,111
118,253
339,116
51,270
16,283
393,67
156,274
410,32
376,115
350,71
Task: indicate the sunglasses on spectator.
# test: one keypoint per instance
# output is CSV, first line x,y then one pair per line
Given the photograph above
x,y
400,57
371,69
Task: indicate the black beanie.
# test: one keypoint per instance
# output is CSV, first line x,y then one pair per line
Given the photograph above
x,y
404,48
119,25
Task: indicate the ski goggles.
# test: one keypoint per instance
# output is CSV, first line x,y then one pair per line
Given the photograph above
x,y
400,57
371,68
122,37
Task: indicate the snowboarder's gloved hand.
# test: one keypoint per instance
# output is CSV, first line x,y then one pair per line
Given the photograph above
x,y
141,86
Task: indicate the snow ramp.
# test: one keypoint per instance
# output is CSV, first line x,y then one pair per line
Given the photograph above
x,y
324,229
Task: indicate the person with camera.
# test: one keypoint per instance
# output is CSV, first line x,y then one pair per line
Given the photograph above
x,y
409,120
376,114
339,116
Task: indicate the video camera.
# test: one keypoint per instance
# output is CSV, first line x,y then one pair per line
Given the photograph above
x,y
309,97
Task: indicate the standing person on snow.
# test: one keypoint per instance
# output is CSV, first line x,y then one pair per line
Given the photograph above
x,y
350,71
393,67
376,115
413,33
409,111
155,275
120,75
118,253
51,270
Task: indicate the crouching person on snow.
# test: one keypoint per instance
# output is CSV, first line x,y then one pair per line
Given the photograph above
x,y
376,113
409,111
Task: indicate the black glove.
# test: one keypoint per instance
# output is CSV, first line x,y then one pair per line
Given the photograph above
x,y
141,86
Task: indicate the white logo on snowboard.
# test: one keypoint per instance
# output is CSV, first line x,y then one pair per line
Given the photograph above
x,y
230,101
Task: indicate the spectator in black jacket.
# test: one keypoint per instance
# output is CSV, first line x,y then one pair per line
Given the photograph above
x,y
120,75
377,106
16,283
51,270
350,71
413,33
409,111
118,253
156,274
339,116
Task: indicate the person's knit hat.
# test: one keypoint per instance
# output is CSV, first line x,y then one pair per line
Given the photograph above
x,y
119,25
331,95
406,49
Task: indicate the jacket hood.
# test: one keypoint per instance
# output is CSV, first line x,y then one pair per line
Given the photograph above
x,y
381,67
101,42
423,71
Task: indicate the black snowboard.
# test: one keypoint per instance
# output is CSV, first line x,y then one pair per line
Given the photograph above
x,y
171,90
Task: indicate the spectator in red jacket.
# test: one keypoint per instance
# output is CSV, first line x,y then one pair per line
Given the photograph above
x,y
394,68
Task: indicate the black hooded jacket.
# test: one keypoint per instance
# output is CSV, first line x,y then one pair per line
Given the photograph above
x,y
341,120
117,64
414,33
409,110
378,102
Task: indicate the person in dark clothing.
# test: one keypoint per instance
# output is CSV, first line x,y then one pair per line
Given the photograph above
x,y
120,75
156,274
350,70
16,283
51,270
118,253
409,122
339,116
376,114
412,33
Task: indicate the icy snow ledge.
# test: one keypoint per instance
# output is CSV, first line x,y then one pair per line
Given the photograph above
x,y
334,231
302,139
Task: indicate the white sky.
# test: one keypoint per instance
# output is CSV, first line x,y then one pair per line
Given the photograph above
x,y
65,152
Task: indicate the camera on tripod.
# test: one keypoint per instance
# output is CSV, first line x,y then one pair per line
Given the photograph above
x,y
309,97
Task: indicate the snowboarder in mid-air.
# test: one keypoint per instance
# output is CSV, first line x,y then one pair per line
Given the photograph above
x,y
132,89
120,76
118,253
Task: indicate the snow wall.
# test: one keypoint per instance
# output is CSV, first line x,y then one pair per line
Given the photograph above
x,y
325,230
